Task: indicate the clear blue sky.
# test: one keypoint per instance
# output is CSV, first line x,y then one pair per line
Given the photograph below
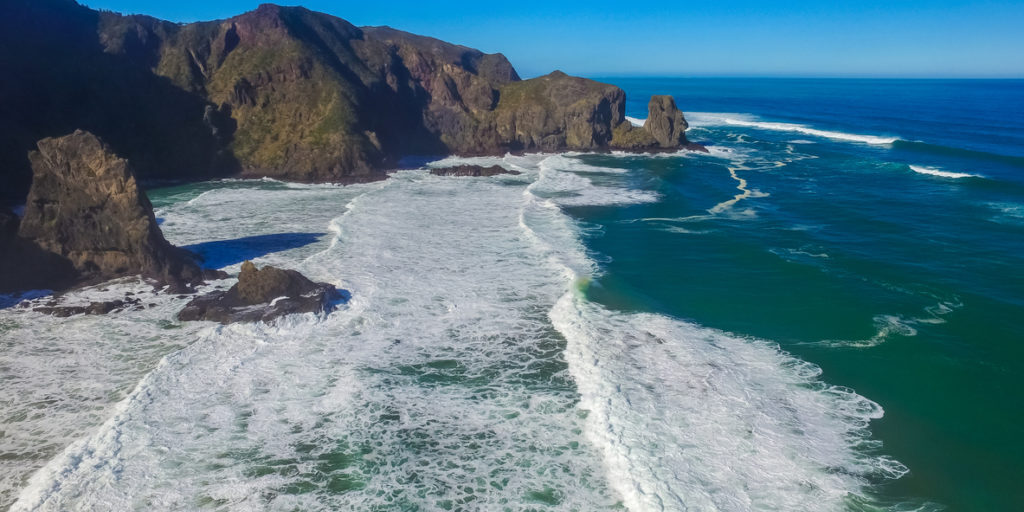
x,y
896,38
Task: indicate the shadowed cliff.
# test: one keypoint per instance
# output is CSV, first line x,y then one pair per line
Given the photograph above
x,y
279,91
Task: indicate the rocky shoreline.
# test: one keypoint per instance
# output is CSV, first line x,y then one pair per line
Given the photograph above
x,y
279,92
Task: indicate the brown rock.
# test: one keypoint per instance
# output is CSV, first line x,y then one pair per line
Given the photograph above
x,y
86,207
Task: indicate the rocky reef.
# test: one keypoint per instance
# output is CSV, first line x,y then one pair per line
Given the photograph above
x,y
87,220
262,295
471,170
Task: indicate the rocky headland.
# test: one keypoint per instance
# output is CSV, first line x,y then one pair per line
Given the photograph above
x,y
284,92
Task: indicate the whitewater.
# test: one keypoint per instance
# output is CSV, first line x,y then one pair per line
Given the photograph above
x,y
467,371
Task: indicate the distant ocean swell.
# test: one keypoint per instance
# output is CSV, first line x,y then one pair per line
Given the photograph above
x,y
719,119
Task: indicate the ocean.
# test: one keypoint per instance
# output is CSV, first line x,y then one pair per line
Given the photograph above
x,y
824,312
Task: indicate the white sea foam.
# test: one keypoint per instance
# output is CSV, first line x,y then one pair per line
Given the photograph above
x,y
443,383
747,120
558,181
935,171
890,326
671,409
636,121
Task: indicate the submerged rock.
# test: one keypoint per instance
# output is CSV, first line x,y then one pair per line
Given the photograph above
x,y
86,208
262,295
471,170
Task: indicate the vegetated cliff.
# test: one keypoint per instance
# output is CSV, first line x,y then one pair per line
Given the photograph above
x,y
87,219
279,91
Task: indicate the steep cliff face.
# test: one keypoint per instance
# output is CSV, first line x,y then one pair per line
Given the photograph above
x,y
557,111
56,76
279,91
86,207
314,98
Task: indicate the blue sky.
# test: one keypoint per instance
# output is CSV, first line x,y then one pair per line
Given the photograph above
x,y
939,38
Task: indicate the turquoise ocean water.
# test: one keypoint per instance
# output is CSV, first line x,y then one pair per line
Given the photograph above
x,y
823,313
884,242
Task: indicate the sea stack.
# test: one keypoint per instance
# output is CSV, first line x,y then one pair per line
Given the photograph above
x,y
665,122
86,207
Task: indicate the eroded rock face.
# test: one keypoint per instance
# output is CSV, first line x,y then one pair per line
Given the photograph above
x,y
86,207
262,295
665,122
553,112
664,130
471,170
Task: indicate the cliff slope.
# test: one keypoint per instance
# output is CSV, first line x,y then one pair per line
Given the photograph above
x,y
279,91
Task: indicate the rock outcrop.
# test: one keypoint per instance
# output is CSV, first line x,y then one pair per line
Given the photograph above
x,y
664,130
93,308
262,295
550,113
86,207
471,170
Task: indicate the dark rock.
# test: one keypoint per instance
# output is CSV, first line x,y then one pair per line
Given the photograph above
x,y
25,266
94,308
66,66
86,207
8,225
550,113
262,295
283,92
471,170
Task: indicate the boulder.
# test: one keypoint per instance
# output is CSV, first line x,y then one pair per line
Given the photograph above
x,y
471,170
93,308
262,295
85,207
